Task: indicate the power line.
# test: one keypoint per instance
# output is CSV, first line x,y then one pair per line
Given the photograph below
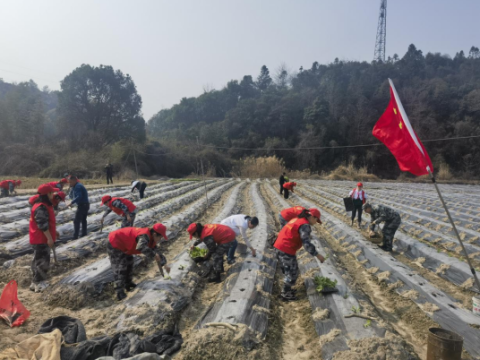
x,y
330,147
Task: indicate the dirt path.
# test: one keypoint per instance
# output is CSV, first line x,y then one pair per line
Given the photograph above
x,y
298,338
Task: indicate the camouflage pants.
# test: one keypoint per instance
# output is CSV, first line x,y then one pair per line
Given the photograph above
x,y
122,267
40,262
126,223
289,266
217,256
4,193
388,231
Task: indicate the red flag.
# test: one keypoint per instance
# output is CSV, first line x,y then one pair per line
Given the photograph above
x,y
395,131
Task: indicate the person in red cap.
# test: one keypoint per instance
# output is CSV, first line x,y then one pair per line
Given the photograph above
x,y
57,198
123,243
290,239
218,239
294,212
9,186
287,187
59,184
120,206
42,235
359,197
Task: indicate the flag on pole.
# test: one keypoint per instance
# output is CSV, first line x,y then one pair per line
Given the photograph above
x,y
395,131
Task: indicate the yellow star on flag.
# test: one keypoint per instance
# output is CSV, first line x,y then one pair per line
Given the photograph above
x,y
400,125
395,111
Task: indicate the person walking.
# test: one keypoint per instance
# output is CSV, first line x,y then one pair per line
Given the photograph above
x,y
218,239
392,219
287,187
281,181
120,206
8,187
140,186
290,239
122,244
359,198
42,235
239,224
109,172
79,196
294,212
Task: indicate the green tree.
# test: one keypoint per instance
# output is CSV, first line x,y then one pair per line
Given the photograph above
x,y
264,80
101,105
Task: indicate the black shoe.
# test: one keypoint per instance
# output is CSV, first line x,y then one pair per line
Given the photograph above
x,y
288,296
121,295
215,278
130,286
230,262
385,248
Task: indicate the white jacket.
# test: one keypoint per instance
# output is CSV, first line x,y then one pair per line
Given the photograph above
x,y
239,224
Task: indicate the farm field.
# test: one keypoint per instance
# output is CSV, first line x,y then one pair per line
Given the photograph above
x,y
384,307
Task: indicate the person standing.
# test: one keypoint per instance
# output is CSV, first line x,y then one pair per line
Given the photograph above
x,y
240,223
294,212
121,207
281,181
9,186
109,172
392,219
79,196
140,186
42,234
290,239
218,239
359,197
122,244
287,187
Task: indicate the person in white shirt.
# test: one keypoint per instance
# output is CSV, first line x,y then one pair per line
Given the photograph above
x,y
359,198
240,223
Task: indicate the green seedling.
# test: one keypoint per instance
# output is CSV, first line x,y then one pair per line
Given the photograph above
x,y
322,282
367,324
327,256
168,278
198,252
356,309
346,296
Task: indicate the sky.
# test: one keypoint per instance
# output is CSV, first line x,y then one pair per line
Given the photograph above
x,y
177,48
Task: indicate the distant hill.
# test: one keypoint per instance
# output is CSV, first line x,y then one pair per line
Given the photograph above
x,y
336,105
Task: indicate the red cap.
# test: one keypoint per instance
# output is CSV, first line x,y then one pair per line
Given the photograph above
x,y
18,182
105,199
63,181
315,213
160,229
360,184
61,195
294,184
192,229
45,189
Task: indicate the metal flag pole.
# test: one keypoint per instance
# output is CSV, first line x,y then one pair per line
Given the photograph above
x,y
472,269
203,177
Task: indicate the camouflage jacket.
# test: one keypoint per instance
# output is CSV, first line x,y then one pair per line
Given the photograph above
x,y
382,213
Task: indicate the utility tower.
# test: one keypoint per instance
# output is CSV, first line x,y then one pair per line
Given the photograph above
x,y
381,41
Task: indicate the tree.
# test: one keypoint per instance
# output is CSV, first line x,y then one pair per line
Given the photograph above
x,y
102,104
264,80
474,53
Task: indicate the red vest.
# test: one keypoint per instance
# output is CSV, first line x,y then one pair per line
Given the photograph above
x,y
34,199
125,239
361,192
222,234
36,235
4,184
288,186
291,213
128,203
288,239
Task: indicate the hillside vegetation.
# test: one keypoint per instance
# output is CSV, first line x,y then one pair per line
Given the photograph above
x,y
96,117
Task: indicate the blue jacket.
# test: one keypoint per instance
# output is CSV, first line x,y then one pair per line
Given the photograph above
x,y
79,194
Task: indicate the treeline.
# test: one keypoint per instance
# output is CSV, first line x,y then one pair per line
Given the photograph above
x,y
96,118
335,105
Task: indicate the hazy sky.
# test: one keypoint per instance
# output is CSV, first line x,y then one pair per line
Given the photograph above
x,y
173,49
